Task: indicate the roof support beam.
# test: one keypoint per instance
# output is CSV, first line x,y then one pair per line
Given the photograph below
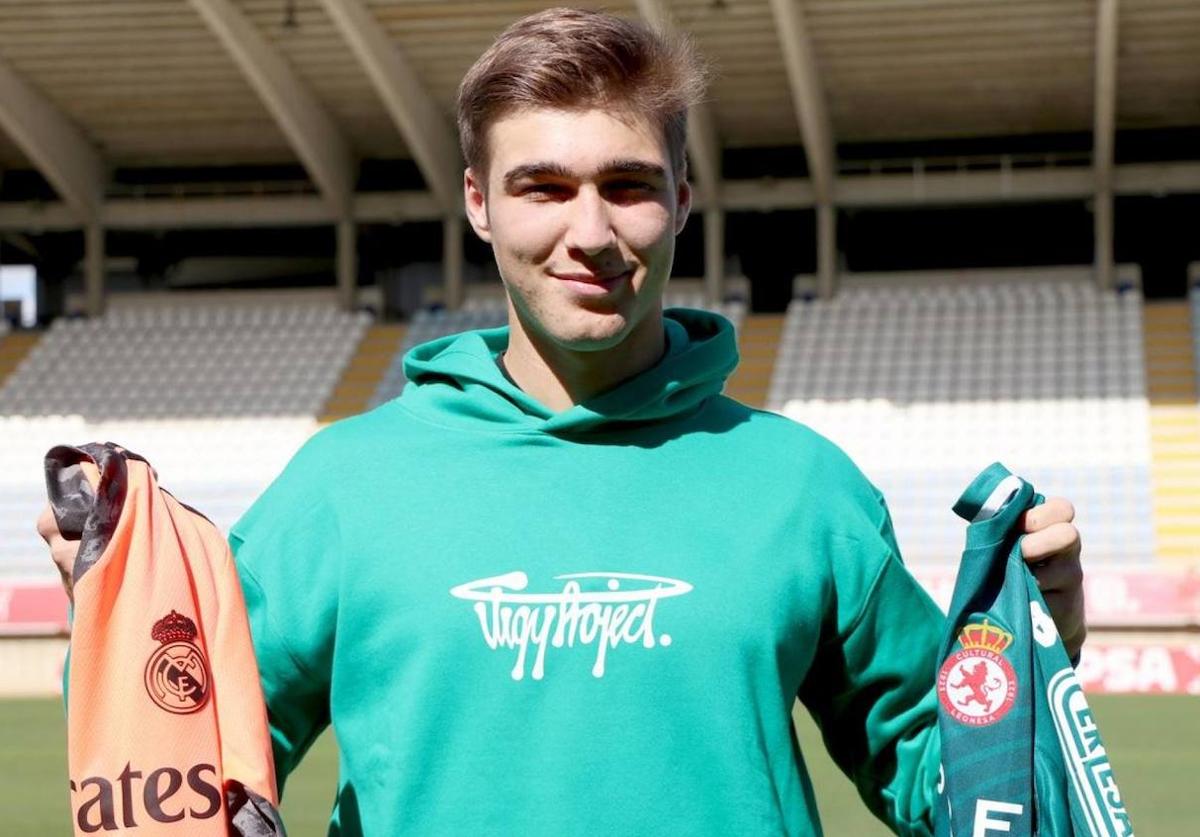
x,y
314,135
453,261
1104,133
93,269
425,130
808,98
826,249
53,143
704,149
714,254
347,263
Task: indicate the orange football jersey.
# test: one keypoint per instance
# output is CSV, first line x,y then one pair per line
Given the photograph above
x,y
167,732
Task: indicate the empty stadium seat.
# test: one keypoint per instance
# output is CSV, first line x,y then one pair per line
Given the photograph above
x,y
926,384
187,361
219,466
218,396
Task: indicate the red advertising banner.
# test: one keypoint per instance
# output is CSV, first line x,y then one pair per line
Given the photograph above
x,y
34,608
1128,668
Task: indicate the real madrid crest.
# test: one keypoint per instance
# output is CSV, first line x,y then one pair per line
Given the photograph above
x,y
177,674
977,684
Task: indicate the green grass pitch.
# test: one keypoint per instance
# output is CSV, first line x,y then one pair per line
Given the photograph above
x,y
1154,744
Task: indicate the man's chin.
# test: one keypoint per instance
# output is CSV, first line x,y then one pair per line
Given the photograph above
x,y
593,340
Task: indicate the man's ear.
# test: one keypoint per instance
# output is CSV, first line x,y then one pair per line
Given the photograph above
x,y
683,204
475,198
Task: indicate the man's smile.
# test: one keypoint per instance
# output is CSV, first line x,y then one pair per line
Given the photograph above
x,y
592,284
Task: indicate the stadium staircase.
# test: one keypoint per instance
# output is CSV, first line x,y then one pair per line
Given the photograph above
x,y
758,344
365,372
1174,429
14,348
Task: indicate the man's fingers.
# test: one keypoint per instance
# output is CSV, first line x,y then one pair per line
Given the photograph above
x,y
1054,510
62,550
91,472
1068,612
47,526
1056,539
1051,547
1063,573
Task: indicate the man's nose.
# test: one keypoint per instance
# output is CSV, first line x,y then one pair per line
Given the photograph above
x,y
590,227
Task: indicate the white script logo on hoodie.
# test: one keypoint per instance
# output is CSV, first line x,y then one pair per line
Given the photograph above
x,y
511,618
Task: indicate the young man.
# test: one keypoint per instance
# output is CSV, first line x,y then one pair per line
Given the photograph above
x,y
562,585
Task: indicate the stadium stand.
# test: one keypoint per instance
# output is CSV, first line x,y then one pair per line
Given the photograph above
x,y
187,361
14,346
925,382
922,379
216,396
217,465
1174,427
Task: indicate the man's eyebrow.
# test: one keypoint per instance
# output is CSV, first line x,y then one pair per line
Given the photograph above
x,y
534,170
548,169
633,166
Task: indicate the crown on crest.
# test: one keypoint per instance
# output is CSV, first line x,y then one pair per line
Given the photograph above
x,y
174,627
986,636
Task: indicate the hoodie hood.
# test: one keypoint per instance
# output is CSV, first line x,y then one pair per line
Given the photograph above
x,y
455,381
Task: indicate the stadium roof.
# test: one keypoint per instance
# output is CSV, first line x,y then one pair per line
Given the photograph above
x,y
219,82
92,90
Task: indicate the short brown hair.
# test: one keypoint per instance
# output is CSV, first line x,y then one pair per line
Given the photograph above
x,y
574,58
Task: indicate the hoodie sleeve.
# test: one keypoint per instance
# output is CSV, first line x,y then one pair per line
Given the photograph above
x,y
287,550
871,685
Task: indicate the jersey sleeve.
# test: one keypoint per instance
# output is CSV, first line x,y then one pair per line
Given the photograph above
x,y
288,556
871,686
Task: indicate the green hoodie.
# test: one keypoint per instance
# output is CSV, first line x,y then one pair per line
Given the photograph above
x,y
523,622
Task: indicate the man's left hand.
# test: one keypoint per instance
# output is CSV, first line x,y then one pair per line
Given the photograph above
x,y
1051,547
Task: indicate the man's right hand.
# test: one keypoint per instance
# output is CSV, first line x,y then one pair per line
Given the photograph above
x,y
62,551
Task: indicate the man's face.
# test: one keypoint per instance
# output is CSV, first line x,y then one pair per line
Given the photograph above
x,y
581,209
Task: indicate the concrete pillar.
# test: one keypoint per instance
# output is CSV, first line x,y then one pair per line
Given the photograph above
x,y
714,255
1104,135
347,264
1102,225
93,269
452,260
826,250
